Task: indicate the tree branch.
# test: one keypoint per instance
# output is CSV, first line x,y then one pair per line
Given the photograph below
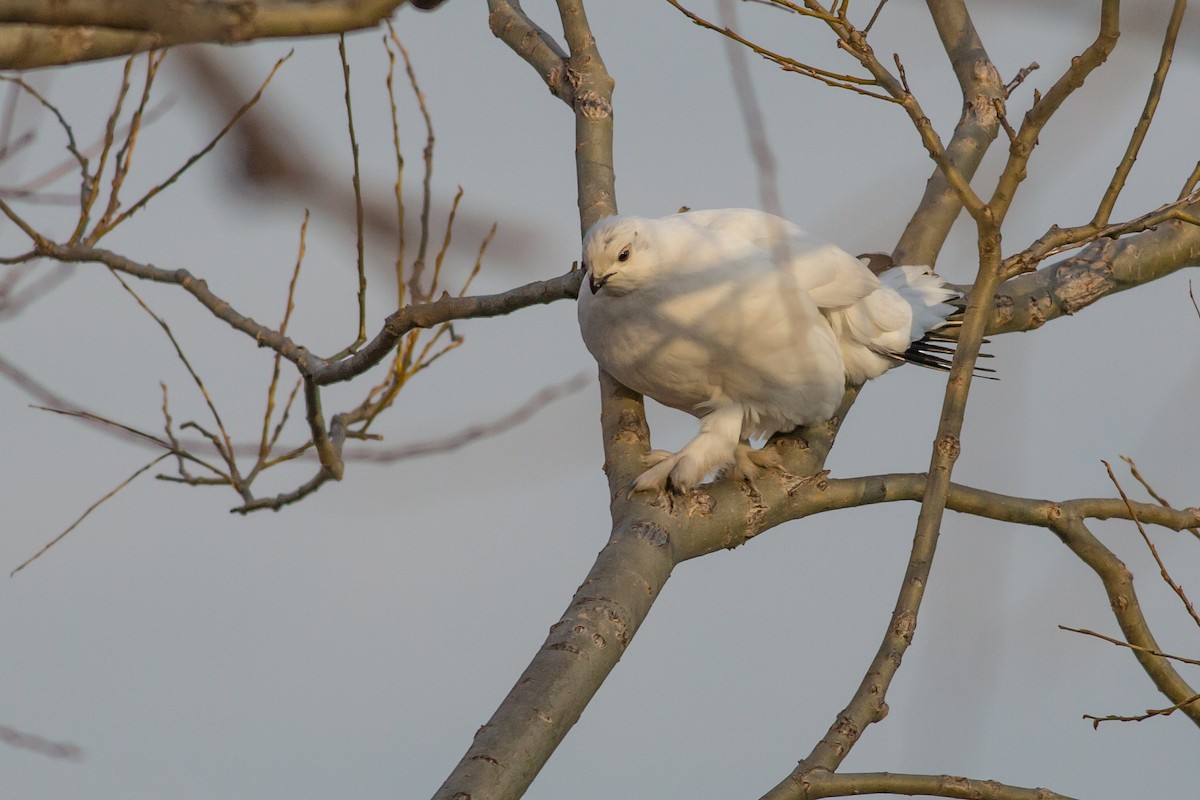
x,y
983,105
509,23
819,783
584,646
34,33
1044,107
1098,270
444,309
1109,200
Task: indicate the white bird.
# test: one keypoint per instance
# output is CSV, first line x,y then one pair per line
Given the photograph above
x,y
742,319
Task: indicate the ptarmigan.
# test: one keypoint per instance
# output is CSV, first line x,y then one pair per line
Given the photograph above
x,y
742,319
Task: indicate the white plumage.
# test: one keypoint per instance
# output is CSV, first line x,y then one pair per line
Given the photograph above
x,y
742,319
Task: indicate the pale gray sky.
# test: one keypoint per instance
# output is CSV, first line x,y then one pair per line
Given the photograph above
x,y
350,646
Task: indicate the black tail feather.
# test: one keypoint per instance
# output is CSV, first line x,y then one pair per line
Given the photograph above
x,y
925,353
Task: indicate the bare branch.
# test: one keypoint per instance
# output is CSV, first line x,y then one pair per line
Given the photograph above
x,y
836,80
428,315
1162,568
1109,200
1150,712
983,107
1044,107
105,225
84,515
1100,269
1118,583
821,783
1194,662
356,181
1137,476
509,23
584,646
224,445
36,34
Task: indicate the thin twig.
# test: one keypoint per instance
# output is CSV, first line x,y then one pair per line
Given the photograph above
x,y
99,231
414,282
1189,186
1139,648
435,280
398,185
1044,107
124,157
834,79
267,440
84,515
1150,712
874,16
822,783
28,190
1162,568
224,446
1137,476
1019,78
356,181
752,118
91,189
1109,199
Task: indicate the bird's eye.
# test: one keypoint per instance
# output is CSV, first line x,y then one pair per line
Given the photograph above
x,y
624,254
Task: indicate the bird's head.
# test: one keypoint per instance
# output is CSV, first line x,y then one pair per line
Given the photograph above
x,y
617,254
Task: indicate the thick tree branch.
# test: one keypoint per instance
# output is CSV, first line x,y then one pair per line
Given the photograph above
x,y
581,650
34,33
509,23
1118,583
1102,268
424,315
868,705
983,105
584,646
1065,519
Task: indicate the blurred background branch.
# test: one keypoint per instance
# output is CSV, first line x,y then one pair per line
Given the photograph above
x,y
34,33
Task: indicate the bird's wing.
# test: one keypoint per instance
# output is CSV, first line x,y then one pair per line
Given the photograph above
x,y
832,277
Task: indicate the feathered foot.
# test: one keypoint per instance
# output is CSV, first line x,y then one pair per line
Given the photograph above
x,y
715,446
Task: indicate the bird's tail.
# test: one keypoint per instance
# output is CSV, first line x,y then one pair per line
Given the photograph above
x,y
937,315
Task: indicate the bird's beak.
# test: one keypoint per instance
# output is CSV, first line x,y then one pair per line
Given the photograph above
x,y
596,283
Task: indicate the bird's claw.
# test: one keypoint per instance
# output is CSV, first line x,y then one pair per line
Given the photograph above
x,y
749,463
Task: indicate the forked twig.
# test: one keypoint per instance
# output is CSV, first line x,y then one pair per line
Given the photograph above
x,y
224,445
102,229
1150,712
267,439
1137,476
836,80
1162,568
